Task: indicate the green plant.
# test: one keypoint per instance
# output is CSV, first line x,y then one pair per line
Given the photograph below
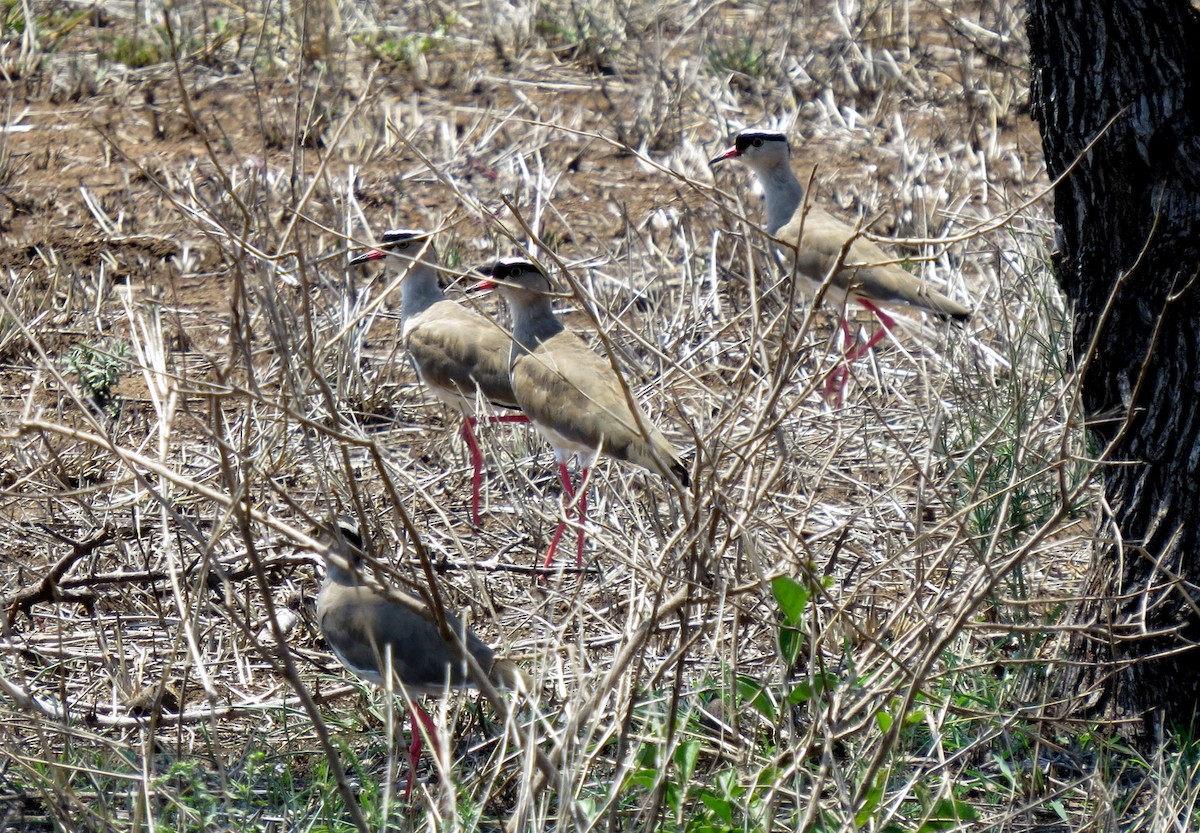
x,y
98,368
14,17
742,55
704,793
27,38
136,51
583,35
408,49
49,27
192,803
792,598
1025,458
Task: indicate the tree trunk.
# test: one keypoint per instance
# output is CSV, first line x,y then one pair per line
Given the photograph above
x,y
1116,91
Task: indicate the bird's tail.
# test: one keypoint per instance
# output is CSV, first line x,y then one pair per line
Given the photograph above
x,y
680,471
944,308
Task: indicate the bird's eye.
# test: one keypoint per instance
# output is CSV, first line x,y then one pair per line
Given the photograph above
x,y
757,143
403,244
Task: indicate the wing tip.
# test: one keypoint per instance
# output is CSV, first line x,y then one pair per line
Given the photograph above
x,y
680,471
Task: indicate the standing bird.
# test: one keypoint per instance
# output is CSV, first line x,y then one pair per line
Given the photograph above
x,y
816,243
371,630
461,356
570,394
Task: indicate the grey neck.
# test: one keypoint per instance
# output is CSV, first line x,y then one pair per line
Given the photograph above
x,y
783,194
534,321
338,572
419,290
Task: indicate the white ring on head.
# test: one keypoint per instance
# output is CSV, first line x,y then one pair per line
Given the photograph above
x,y
395,235
516,261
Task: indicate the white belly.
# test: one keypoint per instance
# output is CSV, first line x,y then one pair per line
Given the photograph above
x,y
565,448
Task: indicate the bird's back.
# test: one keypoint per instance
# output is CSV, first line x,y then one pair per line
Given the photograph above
x,y
366,630
572,395
459,353
815,241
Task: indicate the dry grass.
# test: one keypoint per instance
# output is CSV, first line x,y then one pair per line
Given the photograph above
x,y
197,211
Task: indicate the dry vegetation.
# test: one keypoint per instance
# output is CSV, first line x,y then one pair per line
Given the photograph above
x,y
192,376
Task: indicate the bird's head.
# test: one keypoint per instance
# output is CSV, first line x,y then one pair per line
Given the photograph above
x,y
760,149
514,277
402,244
345,547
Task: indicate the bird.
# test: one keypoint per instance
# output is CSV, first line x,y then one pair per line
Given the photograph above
x,y
460,355
815,243
571,394
370,629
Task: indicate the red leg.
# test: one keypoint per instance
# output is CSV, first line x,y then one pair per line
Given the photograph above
x,y
558,533
835,384
583,492
847,337
569,493
885,319
565,477
477,456
509,418
886,323
421,721
477,463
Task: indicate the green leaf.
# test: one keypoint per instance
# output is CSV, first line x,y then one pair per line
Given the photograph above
x,y
791,643
673,796
767,777
805,690
884,721
1005,769
727,784
755,693
720,807
643,778
799,693
791,596
870,803
648,756
949,812
685,759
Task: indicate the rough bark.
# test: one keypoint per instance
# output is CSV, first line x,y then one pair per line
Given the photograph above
x,y
1123,76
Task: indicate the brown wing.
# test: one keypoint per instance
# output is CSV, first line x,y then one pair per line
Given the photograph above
x,y
567,387
459,350
821,246
364,628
